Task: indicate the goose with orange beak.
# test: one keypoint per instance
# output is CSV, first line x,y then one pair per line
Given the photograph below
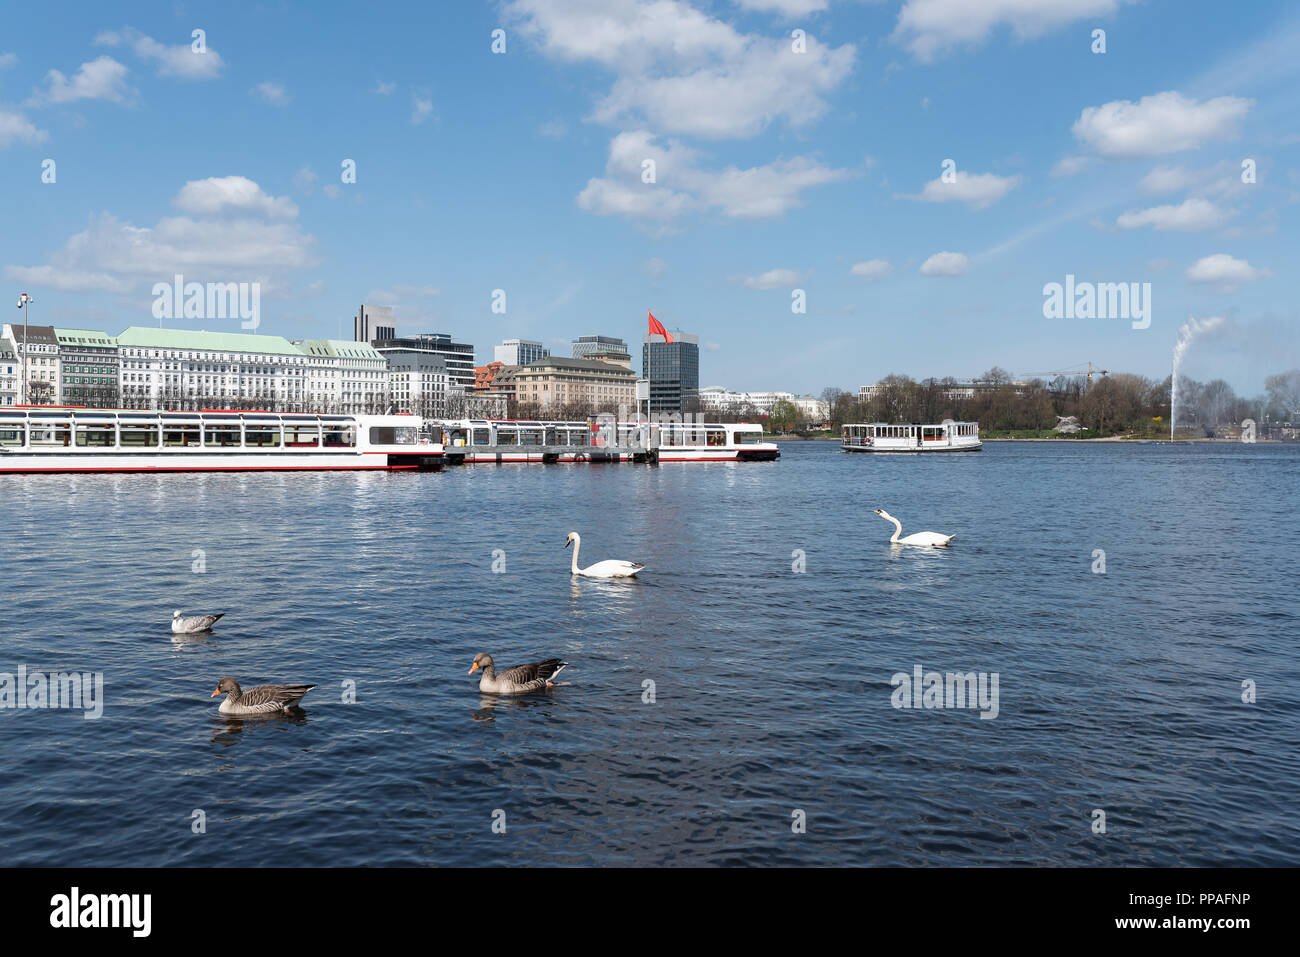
x,y
519,679
264,699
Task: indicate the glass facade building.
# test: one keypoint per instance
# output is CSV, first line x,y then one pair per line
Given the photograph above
x,y
673,369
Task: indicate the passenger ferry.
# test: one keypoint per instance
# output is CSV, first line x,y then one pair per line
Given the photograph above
x,y
949,436
49,439
513,440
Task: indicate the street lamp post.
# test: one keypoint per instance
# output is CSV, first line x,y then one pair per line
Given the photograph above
x,y
23,301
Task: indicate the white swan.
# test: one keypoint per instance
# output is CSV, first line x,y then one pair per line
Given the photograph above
x,y
928,539
613,568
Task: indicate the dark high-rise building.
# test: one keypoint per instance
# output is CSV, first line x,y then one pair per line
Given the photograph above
x,y
673,369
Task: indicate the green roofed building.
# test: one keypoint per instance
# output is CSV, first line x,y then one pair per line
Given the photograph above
x,y
180,369
345,377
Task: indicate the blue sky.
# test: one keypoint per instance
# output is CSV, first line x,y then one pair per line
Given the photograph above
x,y
775,170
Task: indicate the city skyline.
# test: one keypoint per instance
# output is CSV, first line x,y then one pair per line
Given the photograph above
x,y
523,172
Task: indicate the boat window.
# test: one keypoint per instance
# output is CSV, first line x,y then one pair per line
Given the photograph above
x,y
482,437
137,436
51,433
301,435
222,436
339,436
388,435
261,436
507,437
95,436
747,438
181,436
12,434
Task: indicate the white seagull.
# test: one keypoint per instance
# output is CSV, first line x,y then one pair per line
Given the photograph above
x,y
191,626
927,539
613,568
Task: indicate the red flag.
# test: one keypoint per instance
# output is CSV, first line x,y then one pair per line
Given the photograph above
x,y
657,327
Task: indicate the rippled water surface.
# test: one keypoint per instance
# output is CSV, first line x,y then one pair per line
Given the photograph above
x,y
772,695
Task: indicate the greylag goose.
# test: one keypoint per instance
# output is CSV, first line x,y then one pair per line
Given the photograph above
x,y
613,568
264,699
189,626
521,679
928,539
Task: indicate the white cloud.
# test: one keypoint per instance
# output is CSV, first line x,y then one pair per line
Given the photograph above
x,y
273,93
654,267
1224,270
400,292
1163,123
1069,165
872,269
7,60
606,197
384,89
232,194
103,78
179,61
66,280
930,27
1221,178
421,109
764,191
681,70
305,179
788,8
945,264
978,190
773,279
1189,216
682,185
1166,179
115,256
16,128
553,130
736,99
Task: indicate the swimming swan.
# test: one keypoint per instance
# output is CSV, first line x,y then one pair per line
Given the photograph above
x,y
607,569
929,539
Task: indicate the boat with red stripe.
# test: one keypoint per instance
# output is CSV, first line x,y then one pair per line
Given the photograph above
x,y
69,439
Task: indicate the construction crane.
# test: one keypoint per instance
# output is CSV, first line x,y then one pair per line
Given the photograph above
x,y
1089,372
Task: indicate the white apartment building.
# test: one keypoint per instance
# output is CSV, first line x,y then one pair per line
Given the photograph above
x,y
8,374
345,377
952,390
194,370
519,352
420,384
717,398
40,348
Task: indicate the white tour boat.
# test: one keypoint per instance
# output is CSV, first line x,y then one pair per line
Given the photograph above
x,y
106,440
949,436
514,440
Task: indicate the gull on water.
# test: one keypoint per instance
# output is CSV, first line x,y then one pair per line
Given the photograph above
x,y
189,626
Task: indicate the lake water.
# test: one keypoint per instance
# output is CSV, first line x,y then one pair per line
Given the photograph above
x,y
773,701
